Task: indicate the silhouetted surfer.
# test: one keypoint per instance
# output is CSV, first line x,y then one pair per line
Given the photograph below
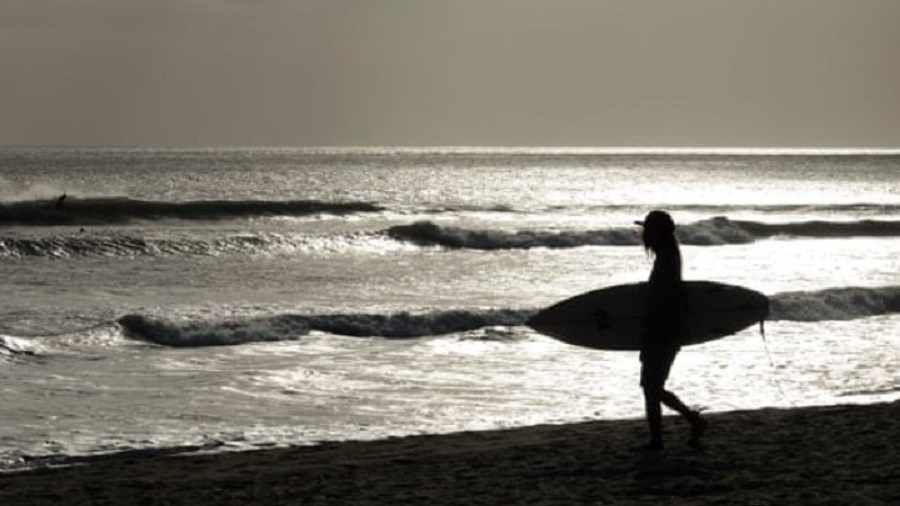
x,y
665,325
59,201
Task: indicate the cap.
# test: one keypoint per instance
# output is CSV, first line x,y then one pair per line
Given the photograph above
x,y
658,220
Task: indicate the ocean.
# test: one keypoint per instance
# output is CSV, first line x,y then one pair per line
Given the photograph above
x,y
182,300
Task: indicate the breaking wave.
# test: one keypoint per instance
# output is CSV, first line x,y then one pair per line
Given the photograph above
x,y
12,348
845,303
287,327
426,233
715,231
119,210
823,305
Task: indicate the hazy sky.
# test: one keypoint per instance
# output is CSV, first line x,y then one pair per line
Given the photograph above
x,y
680,73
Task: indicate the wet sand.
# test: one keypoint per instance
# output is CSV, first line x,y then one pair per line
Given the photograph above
x,y
825,455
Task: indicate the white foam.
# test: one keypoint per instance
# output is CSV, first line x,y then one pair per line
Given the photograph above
x,y
845,303
11,346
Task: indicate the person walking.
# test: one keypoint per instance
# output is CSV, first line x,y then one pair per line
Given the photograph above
x,y
664,328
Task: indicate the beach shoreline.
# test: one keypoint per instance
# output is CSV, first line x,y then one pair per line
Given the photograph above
x,y
821,455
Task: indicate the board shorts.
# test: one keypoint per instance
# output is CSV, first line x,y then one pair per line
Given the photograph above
x,y
655,368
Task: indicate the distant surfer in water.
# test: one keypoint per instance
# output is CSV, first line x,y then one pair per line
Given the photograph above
x,y
665,325
59,201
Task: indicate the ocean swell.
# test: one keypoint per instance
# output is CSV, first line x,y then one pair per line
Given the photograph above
x,y
74,245
66,246
118,210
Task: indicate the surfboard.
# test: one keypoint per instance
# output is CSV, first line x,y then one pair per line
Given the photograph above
x,y
613,318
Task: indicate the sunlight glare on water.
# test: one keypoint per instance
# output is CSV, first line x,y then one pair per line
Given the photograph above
x,y
105,343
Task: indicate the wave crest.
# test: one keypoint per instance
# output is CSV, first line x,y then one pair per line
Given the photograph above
x,y
289,327
426,233
846,303
719,230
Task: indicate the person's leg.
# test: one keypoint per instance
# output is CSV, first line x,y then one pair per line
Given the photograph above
x,y
652,381
653,411
698,424
672,401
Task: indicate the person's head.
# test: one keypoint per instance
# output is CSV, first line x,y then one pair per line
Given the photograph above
x,y
658,231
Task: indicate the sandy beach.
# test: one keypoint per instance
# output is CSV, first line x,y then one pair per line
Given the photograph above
x,y
823,455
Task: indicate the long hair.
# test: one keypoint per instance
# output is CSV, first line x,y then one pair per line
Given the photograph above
x,y
659,235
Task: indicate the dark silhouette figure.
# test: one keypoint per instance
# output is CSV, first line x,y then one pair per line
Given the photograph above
x,y
59,201
665,325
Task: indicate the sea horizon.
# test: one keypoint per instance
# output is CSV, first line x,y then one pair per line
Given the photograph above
x,y
524,150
